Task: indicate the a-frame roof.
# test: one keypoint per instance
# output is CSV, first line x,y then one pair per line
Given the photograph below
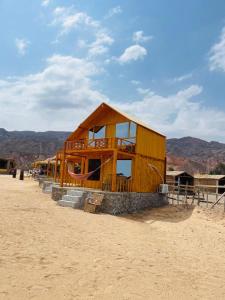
x,y
99,110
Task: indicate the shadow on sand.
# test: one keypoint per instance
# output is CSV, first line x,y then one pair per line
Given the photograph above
x,y
173,214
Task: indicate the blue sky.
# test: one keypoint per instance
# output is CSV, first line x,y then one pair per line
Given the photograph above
x,y
162,61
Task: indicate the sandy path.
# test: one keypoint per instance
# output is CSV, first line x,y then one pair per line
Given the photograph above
x,y
50,252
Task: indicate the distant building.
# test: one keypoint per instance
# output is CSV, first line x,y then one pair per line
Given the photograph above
x,y
216,181
179,177
6,165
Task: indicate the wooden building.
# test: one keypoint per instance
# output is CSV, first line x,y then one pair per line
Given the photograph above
x,y
179,177
47,166
115,152
214,183
6,165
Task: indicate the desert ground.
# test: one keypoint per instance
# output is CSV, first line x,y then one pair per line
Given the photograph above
x,y
51,252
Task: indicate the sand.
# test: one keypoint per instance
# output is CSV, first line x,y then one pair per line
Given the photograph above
x,y
51,252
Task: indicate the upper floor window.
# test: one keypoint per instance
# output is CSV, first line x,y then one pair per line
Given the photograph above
x,y
126,130
97,132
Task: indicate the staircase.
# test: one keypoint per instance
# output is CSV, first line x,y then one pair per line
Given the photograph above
x,y
73,199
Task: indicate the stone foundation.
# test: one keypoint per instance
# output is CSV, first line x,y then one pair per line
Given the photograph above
x,y
118,203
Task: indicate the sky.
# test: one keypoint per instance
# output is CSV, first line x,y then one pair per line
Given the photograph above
x,y
161,61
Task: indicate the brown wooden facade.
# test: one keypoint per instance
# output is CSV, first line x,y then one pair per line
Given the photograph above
x,y
108,139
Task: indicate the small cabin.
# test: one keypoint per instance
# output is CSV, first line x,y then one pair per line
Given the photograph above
x,y
47,166
179,177
115,152
6,165
215,183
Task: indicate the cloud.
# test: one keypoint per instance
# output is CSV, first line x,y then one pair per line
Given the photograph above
x,y
217,54
180,78
135,82
100,46
179,114
45,2
139,37
67,18
133,53
59,97
22,46
113,11
143,91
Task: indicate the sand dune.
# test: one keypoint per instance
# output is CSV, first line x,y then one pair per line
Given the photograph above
x,y
50,252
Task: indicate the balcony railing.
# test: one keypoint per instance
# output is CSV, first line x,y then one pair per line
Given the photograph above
x,y
122,144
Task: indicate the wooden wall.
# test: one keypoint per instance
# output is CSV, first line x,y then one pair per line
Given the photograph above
x,y
150,143
145,179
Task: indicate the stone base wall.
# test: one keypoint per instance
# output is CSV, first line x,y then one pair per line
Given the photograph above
x,y
118,203
58,192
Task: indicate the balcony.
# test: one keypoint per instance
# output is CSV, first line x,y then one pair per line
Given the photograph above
x,y
121,144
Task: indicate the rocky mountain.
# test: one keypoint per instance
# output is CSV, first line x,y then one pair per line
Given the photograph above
x,y
28,146
188,153
194,155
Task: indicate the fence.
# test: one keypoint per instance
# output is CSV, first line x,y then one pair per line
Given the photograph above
x,y
196,194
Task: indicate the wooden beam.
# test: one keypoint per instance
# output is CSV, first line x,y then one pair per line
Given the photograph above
x,y
56,167
62,173
114,171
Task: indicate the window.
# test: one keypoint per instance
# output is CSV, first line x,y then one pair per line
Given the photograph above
x,y
123,167
97,132
126,130
94,164
122,130
133,129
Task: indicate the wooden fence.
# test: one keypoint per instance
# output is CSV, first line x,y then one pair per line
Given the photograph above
x,y
196,194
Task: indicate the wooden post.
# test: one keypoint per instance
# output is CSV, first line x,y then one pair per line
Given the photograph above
x,y
82,169
178,191
56,167
48,168
114,171
62,171
217,190
101,172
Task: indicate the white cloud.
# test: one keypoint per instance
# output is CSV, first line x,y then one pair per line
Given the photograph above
x,y
113,11
180,78
45,2
143,91
68,19
135,82
139,37
100,46
22,46
59,97
133,53
217,54
179,115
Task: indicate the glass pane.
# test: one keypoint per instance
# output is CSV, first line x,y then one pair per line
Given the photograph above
x,y
124,168
90,134
99,132
122,130
133,128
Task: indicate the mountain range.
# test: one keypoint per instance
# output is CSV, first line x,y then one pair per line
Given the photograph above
x,y
187,153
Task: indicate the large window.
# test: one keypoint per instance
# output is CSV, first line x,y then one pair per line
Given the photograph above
x,y
97,132
126,130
